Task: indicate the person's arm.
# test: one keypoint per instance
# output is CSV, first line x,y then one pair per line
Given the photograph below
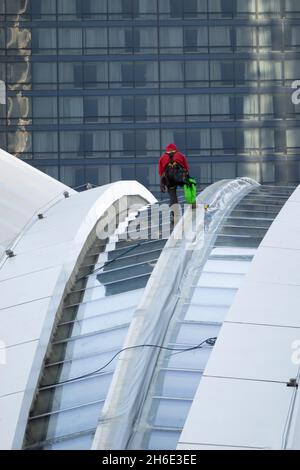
x,y
162,176
183,161
160,167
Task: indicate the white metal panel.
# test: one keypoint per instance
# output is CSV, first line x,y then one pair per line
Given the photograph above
x,y
281,237
275,265
19,316
34,260
295,197
14,375
238,413
282,311
23,191
234,353
9,413
29,287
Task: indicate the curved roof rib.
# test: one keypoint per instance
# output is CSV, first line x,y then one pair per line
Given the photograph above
x,y
127,418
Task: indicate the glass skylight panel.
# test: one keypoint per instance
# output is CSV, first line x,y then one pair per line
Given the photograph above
x,y
72,394
73,368
159,439
211,295
169,412
62,423
178,384
92,329
206,313
178,374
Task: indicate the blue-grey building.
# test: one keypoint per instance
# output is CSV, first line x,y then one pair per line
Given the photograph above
x,y
97,88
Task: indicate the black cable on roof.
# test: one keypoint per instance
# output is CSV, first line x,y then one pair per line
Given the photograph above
x,y
209,341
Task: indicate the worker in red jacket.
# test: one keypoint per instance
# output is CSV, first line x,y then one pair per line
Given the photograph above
x,y
173,169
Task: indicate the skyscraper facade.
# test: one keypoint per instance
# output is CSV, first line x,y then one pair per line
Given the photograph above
x,y
96,88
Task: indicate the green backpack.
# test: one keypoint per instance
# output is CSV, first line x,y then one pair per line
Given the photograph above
x,y
190,190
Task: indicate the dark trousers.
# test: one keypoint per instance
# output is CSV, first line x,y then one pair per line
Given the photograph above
x,y
173,195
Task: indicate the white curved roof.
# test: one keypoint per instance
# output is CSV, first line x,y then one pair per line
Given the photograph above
x,y
32,283
243,400
23,192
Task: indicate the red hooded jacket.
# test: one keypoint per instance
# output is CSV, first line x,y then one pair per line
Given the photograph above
x,y
177,157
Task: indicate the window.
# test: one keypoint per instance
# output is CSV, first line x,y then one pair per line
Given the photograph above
x,y
130,8
223,170
19,142
292,37
228,7
220,38
2,41
172,108
98,175
270,71
45,144
127,73
20,72
179,140
86,144
78,76
72,176
292,8
246,8
83,8
70,40
193,140
45,109
96,40
140,108
73,144
269,7
95,74
190,40
47,73
245,38
141,142
176,8
222,71
280,140
140,74
186,8
277,38
250,170
128,143
90,109
196,73
122,172
197,107
172,73
223,141
171,39
128,108
43,39
36,8
132,40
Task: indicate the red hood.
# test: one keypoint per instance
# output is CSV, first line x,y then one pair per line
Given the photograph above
x,y
171,147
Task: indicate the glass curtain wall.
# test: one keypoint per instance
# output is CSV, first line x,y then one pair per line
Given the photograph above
x,y
96,89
